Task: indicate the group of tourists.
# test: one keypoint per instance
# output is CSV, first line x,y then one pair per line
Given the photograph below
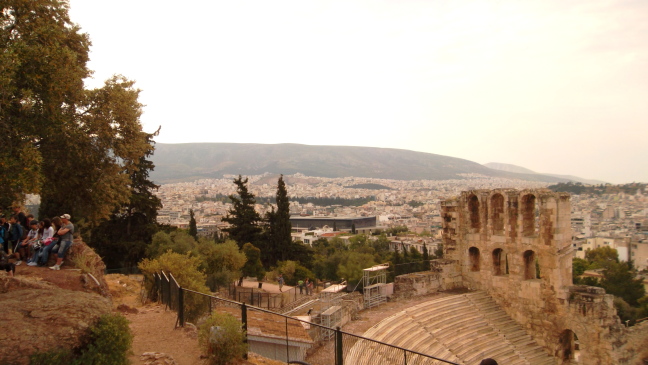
x,y
308,285
25,239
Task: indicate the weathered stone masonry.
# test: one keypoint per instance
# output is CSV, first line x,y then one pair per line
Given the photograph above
x,y
516,245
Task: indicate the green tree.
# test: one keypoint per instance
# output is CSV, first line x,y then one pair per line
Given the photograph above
x,y
292,271
352,264
282,229
620,281
278,244
578,268
243,218
97,151
43,63
253,266
178,242
122,240
601,257
184,268
222,263
193,229
426,258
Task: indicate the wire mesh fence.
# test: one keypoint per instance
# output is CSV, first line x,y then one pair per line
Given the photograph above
x,y
262,299
281,337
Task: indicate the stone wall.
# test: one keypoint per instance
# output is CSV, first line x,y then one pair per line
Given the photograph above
x,y
442,276
636,349
516,245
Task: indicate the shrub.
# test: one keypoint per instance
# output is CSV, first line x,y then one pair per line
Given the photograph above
x,y
55,357
108,343
222,339
184,270
293,272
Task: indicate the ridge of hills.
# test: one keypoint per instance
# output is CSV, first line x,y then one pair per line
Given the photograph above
x,y
184,162
519,169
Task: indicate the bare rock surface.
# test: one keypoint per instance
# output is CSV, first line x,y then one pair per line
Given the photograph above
x,y
38,316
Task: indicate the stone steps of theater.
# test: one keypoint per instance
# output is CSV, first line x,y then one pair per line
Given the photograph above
x,y
523,343
448,305
460,328
398,329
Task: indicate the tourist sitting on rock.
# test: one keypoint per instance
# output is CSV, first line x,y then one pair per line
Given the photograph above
x,y
24,247
50,245
66,231
36,246
15,233
5,265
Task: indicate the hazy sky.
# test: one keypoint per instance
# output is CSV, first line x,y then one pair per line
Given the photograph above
x,y
554,86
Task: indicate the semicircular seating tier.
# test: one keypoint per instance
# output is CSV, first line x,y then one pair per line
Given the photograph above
x,y
462,328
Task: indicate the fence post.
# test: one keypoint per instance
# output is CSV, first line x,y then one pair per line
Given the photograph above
x,y
287,343
339,359
181,306
244,320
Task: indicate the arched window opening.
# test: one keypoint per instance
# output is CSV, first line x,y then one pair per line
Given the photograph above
x,y
499,264
473,254
497,216
528,215
569,347
473,207
529,265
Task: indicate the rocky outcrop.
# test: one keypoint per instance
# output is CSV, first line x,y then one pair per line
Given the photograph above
x,y
37,316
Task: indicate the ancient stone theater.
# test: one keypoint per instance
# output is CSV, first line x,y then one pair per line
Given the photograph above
x,y
515,245
505,291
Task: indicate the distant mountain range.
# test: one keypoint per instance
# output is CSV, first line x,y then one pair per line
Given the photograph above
x,y
192,161
521,170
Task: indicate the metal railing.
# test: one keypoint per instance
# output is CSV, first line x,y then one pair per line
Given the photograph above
x,y
292,339
262,299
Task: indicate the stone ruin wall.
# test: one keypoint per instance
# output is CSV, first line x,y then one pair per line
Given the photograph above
x,y
443,275
516,245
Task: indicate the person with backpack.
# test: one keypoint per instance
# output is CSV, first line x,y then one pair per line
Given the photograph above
x,y
15,233
22,219
4,233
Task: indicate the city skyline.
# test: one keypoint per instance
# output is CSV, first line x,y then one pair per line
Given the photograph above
x,y
550,86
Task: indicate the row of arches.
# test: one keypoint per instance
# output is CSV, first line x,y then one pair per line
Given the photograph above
x,y
501,262
528,209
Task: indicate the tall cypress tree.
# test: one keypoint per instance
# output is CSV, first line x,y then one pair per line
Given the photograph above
x,y
243,219
426,258
193,228
282,227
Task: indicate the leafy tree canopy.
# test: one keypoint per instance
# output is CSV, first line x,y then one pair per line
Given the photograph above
x,y
82,144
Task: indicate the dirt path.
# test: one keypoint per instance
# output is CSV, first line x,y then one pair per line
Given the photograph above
x,y
153,328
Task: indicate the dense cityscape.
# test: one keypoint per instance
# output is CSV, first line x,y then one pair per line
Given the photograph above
x,y
619,221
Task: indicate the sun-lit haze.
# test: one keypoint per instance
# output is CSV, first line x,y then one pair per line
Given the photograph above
x,y
554,86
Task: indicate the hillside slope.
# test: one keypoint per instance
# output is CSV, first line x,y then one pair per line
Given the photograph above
x,y
191,161
519,169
